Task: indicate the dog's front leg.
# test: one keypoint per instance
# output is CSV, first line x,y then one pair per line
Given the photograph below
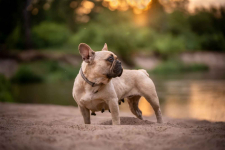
x,y
86,114
114,108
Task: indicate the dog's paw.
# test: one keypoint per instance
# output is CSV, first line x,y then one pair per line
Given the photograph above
x,y
93,113
121,100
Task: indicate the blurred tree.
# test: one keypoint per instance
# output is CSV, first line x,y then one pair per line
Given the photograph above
x,y
178,23
220,20
49,34
8,18
26,24
156,16
202,22
171,5
14,16
95,22
54,11
210,26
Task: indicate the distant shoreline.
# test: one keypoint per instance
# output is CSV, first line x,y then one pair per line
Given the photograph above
x,y
11,61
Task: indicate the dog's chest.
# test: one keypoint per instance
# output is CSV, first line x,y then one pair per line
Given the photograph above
x,y
96,105
92,101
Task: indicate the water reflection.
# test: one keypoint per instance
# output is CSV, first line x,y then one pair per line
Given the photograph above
x,y
207,100
145,107
46,93
181,98
192,99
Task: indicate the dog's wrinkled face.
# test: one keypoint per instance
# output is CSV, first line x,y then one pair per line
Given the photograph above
x,y
103,62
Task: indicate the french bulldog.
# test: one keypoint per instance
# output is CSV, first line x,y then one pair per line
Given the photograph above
x,y
102,84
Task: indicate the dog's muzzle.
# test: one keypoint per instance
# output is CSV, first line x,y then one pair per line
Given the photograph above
x,y
116,69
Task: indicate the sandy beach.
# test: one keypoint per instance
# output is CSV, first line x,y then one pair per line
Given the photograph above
x,y
27,126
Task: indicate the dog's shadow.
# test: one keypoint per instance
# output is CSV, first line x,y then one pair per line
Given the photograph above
x,y
128,121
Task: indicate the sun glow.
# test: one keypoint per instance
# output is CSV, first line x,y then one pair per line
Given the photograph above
x,y
138,6
86,6
83,10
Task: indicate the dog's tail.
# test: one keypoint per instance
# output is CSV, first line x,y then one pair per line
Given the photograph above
x,y
144,71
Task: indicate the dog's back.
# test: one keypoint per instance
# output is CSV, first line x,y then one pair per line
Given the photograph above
x,y
129,82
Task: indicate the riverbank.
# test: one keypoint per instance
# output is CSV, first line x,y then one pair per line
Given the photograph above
x,y
10,62
26,126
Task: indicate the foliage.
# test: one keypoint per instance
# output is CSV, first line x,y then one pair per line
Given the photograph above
x,y
168,45
164,33
56,71
9,16
180,32
120,38
214,42
175,66
47,71
48,34
14,39
25,75
6,91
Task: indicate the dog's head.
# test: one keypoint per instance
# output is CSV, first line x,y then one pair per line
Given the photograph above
x,y
103,62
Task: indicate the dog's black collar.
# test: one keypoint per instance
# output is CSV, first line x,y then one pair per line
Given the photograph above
x,y
89,82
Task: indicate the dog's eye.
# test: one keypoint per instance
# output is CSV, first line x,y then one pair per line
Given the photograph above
x,y
110,59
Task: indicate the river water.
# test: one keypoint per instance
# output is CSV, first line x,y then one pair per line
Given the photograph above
x,y
197,95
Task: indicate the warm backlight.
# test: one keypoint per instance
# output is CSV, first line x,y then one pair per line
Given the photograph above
x,y
138,6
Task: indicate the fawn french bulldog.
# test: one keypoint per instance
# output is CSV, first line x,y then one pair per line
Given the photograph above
x,y
102,84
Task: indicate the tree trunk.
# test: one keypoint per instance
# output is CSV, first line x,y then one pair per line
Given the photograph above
x,y
26,24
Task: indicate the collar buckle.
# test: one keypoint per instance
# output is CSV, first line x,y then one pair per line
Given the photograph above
x,y
93,84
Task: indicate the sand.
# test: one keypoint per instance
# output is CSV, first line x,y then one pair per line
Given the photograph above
x,y
40,127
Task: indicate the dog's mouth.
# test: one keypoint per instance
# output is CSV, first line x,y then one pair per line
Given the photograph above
x,y
116,70
121,71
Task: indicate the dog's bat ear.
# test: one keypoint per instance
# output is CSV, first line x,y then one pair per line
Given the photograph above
x,y
86,52
105,48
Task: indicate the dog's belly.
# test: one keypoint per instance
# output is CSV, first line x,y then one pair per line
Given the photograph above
x,y
96,105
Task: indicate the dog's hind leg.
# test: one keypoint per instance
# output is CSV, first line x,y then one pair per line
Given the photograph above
x,y
148,91
133,104
154,101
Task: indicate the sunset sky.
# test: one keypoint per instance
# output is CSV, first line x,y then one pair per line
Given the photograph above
x,y
204,3
139,6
